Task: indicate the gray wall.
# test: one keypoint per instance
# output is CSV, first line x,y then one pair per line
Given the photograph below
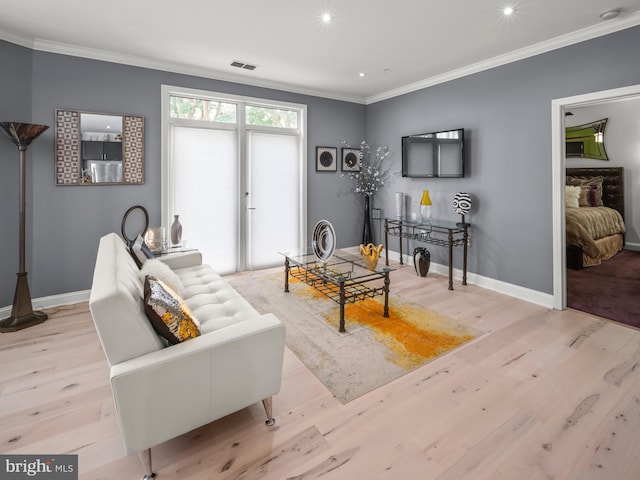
x,y
15,106
68,221
506,113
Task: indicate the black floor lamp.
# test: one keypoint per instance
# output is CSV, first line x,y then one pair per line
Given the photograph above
x,y
22,314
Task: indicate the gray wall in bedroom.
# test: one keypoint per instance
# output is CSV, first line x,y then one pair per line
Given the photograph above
x,y
506,113
15,106
68,221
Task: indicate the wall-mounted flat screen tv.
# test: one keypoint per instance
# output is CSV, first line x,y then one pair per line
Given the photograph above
x,y
436,154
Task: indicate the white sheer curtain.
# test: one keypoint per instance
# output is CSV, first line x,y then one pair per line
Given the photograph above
x,y
205,192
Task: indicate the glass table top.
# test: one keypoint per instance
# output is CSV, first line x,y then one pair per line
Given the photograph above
x,y
342,266
435,223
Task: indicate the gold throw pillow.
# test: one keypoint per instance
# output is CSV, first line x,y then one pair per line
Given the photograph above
x,y
168,313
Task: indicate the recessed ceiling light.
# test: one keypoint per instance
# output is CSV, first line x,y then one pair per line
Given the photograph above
x,y
610,14
507,11
361,74
326,17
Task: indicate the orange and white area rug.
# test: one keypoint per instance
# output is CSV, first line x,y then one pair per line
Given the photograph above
x,y
374,351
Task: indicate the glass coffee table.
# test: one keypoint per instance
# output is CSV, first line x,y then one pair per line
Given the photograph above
x,y
343,278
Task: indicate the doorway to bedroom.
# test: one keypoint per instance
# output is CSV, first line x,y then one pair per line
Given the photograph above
x,y
622,107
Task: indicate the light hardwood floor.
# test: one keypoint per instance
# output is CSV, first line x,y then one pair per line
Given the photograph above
x,y
542,395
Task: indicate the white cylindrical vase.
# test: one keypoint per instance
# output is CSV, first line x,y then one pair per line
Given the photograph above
x,y
399,204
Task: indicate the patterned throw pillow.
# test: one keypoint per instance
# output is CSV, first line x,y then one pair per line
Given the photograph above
x,y
168,313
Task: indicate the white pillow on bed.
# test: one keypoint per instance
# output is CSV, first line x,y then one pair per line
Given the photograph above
x,y
571,196
162,271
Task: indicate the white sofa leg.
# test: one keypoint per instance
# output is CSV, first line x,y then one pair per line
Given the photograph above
x,y
145,459
268,407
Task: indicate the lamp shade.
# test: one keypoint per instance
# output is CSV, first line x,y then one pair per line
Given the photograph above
x,y
22,133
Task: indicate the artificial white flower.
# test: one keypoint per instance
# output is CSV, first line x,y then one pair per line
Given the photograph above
x,y
372,175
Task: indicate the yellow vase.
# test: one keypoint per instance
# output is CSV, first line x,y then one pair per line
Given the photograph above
x,y
371,254
425,207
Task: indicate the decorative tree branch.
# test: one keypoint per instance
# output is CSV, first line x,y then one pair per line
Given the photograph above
x,y
373,174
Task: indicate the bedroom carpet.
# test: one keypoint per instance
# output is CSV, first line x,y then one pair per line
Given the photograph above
x,y
610,290
374,351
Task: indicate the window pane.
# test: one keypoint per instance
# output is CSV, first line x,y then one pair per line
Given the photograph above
x,y
200,109
272,117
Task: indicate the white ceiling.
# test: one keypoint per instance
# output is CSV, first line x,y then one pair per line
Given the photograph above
x,y
401,45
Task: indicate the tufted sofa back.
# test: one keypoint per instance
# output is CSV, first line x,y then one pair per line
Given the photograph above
x,y
116,304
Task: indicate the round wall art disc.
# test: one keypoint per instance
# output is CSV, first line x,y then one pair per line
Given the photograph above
x,y
324,240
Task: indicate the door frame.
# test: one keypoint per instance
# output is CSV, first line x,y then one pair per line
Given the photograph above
x,y
558,108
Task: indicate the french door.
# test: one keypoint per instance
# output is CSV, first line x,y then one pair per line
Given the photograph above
x,y
239,188
273,198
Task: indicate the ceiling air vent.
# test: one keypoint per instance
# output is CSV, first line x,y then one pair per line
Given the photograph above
x,y
246,66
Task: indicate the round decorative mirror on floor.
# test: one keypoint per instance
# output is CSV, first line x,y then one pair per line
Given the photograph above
x,y
134,222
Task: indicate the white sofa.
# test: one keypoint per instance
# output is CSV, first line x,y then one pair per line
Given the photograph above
x,y
163,391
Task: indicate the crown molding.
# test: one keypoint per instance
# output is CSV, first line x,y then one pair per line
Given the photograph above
x,y
578,36
144,62
566,40
17,39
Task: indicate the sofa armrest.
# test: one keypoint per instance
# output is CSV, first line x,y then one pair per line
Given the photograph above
x,y
171,391
182,259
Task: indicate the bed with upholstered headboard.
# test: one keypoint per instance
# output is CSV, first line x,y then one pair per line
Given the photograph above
x,y
594,214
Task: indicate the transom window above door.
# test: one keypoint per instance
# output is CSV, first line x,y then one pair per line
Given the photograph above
x,y
208,110
271,117
189,108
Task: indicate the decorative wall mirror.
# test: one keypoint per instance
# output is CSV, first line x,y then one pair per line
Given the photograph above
x,y
587,141
99,148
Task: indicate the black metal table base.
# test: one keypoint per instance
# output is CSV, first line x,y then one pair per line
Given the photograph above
x,y
341,290
457,235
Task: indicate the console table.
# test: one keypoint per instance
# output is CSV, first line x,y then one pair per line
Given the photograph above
x,y
444,234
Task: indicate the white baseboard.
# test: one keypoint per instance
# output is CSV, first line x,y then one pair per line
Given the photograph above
x,y
526,294
632,246
52,301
